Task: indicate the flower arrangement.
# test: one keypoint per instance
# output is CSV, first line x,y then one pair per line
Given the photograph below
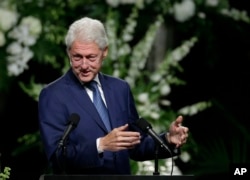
x,y
25,37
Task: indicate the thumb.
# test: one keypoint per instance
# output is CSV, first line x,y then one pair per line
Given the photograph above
x,y
122,128
178,121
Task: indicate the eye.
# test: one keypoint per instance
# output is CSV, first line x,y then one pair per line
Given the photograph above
x,y
76,57
91,57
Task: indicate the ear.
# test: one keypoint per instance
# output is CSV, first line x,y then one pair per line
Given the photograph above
x,y
105,52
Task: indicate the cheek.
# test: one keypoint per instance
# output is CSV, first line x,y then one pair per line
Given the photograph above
x,y
75,68
96,67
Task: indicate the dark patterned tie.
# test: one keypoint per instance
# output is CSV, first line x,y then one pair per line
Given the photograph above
x,y
99,104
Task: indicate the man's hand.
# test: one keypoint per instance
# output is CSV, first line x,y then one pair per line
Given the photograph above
x,y
119,139
178,134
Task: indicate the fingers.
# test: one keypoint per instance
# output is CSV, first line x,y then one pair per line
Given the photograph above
x,y
128,142
122,142
179,133
122,128
180,141
183,136
120,139
185,129
178,121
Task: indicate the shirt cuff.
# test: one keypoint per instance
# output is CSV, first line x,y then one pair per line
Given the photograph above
x,y
97,146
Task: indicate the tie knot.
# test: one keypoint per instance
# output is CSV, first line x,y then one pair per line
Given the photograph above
x,y
92,85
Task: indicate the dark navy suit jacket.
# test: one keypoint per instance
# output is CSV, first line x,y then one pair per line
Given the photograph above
x,y
66,95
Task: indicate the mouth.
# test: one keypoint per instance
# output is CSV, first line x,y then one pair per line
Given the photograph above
x,y
84,73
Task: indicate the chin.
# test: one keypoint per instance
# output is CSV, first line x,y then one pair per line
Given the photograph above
x,y
85,78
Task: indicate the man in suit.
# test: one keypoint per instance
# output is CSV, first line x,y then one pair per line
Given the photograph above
x,y
93,148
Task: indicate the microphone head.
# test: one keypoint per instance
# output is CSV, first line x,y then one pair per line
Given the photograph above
x,y
74,119
143,124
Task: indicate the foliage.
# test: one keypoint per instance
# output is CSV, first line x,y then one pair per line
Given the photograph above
x,y
32,36
5,174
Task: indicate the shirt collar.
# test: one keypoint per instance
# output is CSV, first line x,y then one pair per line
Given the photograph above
x,y
96,78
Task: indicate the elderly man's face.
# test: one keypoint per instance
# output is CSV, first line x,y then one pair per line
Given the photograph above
x,y
86,60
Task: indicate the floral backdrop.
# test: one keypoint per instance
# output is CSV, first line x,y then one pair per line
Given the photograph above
x,y
153,44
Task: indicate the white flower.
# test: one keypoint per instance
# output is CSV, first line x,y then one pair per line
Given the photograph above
x,y
143,97
133,72
212,3
165,102
27,31
185,157
154,115
13,69
21,34
127,37
33,24
202,15
177,56
184,10
193,110
168,164
14,48
112,3
124,50
184,111
7,19
25,35
189,110
130,81
165,90
156,77
17,61
116,73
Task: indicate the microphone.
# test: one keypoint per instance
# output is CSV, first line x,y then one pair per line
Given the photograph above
x,y
74,119
146,127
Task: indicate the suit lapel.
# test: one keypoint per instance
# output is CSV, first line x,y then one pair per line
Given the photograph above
x,y
80,95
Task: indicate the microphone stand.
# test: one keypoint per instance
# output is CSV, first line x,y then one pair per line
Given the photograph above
x,y
156,172
63,148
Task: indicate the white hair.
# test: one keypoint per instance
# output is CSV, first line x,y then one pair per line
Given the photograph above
x,y
87,30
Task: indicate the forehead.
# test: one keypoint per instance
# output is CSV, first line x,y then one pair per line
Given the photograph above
x,y
84,47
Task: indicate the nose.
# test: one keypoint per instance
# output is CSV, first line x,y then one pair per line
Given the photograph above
x,y
84,62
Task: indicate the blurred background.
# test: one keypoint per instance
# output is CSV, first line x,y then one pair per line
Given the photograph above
x,y
186,57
